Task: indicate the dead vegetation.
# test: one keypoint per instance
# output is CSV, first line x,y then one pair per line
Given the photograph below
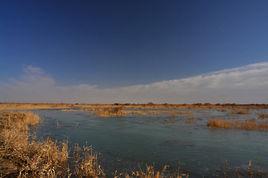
x,y
23,156
32,106
238,124
109,112
249,172
86,163
120,111
151,172
224,106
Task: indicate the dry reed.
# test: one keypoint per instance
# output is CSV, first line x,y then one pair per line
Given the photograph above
x,y
86,162
109,112
151,172
22,156
237,124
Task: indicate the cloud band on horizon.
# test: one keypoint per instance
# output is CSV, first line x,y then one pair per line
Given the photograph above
x,y
246,84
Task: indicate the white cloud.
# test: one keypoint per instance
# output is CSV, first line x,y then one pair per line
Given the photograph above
x,y
246,84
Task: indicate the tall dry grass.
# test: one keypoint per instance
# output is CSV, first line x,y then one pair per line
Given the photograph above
x,y
86,163
105,111
22,156
109,111
238,124
151,172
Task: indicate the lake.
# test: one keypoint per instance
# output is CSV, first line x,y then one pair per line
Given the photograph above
x,y
128,143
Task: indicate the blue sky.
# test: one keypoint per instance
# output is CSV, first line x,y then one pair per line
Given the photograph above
x,y
123,42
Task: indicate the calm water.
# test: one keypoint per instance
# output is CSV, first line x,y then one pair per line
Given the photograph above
x,y
127,143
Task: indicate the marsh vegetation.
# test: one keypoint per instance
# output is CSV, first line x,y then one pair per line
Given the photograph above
x,y
21,155
141,143
238,124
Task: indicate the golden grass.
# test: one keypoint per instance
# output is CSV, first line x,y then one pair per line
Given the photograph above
x,y
86,162
151,172
110,112
23,156
237,124
105,111
31,106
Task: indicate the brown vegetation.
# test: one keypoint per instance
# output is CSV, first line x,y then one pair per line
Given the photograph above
x,y
32,106
122,111
237,124
151,172
109,112
229,106
86,162
23,156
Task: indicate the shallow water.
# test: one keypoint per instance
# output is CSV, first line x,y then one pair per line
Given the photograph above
x,y
129,142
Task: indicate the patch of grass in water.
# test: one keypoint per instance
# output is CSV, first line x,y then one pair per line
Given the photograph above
x,y
238,124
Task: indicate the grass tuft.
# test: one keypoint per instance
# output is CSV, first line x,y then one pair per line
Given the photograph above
x,y
86,162
237,124
22,157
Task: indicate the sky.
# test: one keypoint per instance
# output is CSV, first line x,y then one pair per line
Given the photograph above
x,y
106,51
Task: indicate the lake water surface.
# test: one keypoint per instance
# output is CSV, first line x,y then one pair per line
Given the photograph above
x,y
130,142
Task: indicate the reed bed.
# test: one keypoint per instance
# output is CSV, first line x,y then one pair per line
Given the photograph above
x,y
81,106
23,156
120,111
109,112
151,172
238,124
86,163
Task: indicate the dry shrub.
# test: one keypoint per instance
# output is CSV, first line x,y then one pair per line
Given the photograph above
x,y
22,157
109,112
18,120
134,111
86,162
151,172
238,124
